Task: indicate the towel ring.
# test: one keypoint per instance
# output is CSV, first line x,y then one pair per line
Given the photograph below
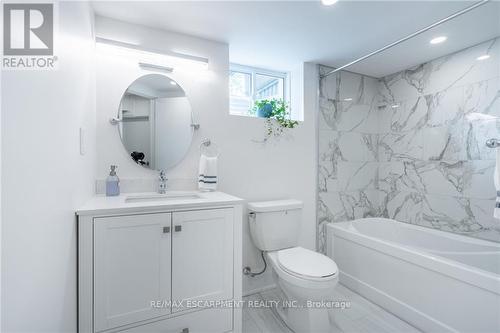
x,y
493,143
207,145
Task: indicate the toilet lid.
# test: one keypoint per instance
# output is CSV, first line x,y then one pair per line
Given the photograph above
x,y
306,262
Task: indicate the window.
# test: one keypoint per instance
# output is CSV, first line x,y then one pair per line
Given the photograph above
x,y
248,84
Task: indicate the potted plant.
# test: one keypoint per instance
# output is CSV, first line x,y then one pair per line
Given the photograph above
x,y
264,108
277,114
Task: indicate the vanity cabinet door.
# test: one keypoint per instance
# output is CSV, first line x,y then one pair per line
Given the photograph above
x,y
202,261
132,263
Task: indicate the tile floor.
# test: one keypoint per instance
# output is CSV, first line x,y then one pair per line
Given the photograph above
x,y
361,317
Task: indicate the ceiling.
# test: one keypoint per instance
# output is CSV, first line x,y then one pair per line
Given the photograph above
x,y
472,28
280,35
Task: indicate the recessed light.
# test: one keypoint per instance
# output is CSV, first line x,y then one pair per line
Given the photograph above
x,y
347,99
173,83
328,2
473,116
395,106
483,57
438,40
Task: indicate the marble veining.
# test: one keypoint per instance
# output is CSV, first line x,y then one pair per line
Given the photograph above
x,y
410,146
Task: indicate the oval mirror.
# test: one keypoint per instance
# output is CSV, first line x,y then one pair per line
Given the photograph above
x,y
155,122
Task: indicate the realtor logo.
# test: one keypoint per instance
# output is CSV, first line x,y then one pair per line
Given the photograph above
x,y
28,29
28,36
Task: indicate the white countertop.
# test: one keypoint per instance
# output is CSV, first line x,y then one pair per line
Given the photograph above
x,y
101,205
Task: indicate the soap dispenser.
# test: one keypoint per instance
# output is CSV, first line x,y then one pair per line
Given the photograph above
x,y
112,183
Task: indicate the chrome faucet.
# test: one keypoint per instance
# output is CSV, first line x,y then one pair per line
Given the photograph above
x,y
162,182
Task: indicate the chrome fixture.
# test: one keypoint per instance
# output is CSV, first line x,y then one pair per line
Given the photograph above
x,y
205,142
162,182
209,148
145,65
493,143
115,121
399,41
247,270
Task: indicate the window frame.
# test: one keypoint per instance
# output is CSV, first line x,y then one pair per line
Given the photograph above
x,y
253,72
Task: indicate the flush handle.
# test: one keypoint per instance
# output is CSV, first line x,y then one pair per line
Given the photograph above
x,y
178,228
166,230
185,330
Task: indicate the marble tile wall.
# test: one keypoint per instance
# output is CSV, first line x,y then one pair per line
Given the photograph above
x,y
348,149
410,146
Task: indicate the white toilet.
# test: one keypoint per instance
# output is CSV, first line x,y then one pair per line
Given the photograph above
x,y
304,276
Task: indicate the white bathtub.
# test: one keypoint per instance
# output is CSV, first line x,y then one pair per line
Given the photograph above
x,y
436,281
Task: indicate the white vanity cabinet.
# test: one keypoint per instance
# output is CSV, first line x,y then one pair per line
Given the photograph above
x,y
202,260
160,268
132,267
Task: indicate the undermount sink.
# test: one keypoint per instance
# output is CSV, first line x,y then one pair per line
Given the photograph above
x,y
162,197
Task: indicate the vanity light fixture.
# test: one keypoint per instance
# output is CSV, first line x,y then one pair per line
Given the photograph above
x,y
438,40
329,2
395,106
151,59
347,99
156,67
483,57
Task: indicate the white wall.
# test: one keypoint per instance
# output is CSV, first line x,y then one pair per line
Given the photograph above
x,y
246,169
44,179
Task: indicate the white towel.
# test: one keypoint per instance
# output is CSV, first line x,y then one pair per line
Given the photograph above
x,y
496,213
207,180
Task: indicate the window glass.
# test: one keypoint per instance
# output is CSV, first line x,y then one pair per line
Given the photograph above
x,y
240,92
249,84
268,87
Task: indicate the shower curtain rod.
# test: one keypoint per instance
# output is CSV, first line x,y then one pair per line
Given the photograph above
x,y
463,11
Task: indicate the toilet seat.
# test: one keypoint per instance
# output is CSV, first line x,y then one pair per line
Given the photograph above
x,y
299,279
306,264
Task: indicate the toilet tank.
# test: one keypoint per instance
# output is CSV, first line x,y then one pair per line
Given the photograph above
x,y
274,225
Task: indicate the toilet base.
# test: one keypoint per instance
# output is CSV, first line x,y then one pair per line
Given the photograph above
x,y
297,293
300,318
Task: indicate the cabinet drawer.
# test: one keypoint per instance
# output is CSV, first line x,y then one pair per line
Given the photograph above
x,y
204,321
